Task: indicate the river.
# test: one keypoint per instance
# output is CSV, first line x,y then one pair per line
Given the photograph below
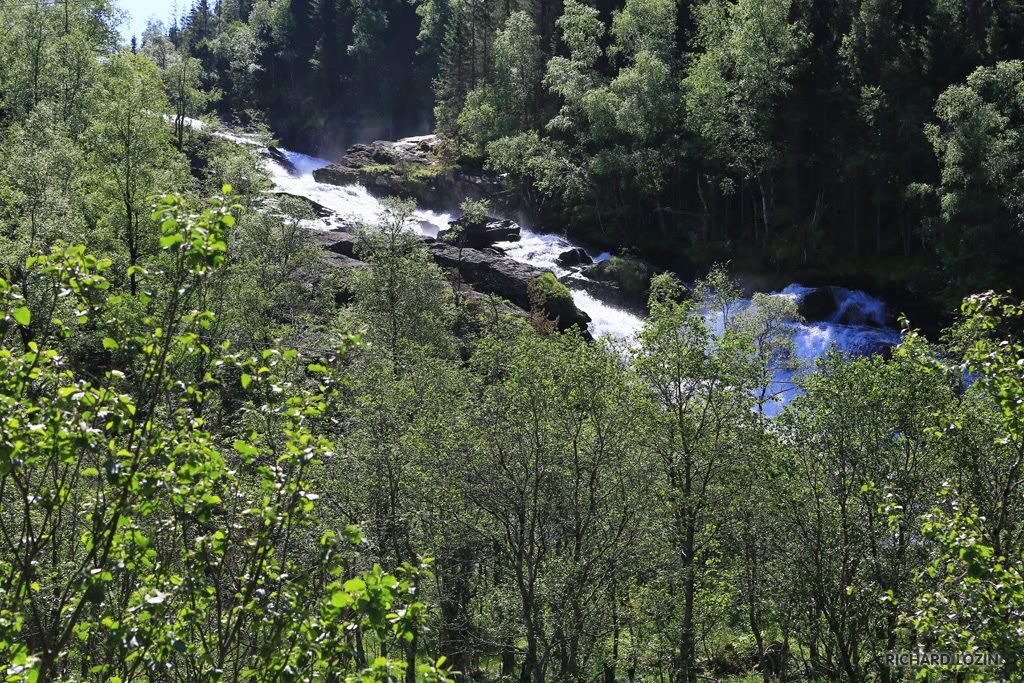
x,y
858,325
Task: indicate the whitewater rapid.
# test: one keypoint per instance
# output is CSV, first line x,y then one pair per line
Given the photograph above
x,y
858,326
355,205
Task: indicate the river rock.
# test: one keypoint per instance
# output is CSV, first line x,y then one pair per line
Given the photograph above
x,y
279,156
817,305
465,233
631,275
319,209
339,242
606,292
484,272
574,257
854,307
411,169
507,278
346,264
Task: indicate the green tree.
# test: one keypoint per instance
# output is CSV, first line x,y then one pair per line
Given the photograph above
x,y
401,295
554,479
699,385
968,595
131,152
735,88
511,102
137,545
41,184
185,92
978,143
861,437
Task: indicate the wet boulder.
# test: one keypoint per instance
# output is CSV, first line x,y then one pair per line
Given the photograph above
x,y
479,234
631,275
277,155
339,242
854,307
574,257
817,304
409,168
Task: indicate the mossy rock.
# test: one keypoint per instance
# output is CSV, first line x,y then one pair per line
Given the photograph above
x,y
631,274
384,155
554,292
411,181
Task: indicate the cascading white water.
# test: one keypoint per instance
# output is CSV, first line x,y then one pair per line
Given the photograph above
x,y
857,326
355,205
352,202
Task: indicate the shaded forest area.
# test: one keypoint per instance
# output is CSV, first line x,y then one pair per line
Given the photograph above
x,y
873,142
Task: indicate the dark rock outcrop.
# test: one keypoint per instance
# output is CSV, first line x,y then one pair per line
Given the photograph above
x,y
502,276
608,293
319,209
630,275
344,263
574,257
817,305
340,242
480,234
279,156
484,272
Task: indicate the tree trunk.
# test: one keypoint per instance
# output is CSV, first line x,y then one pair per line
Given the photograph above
x,y
508,659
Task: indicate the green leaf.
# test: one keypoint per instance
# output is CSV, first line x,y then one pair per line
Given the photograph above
x,y
355,585
23,316
246,380
170,240
245,448
109,343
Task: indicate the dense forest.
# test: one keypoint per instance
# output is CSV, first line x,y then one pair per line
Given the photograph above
x,y
879,140
225,458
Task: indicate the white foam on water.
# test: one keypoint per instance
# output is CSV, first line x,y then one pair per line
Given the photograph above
x,y
857,307
356,205
199,124
865,335
605,319
352,202
795,292
538,250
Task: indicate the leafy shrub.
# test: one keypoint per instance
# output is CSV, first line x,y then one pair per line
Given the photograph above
x,y
139,545
475,212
